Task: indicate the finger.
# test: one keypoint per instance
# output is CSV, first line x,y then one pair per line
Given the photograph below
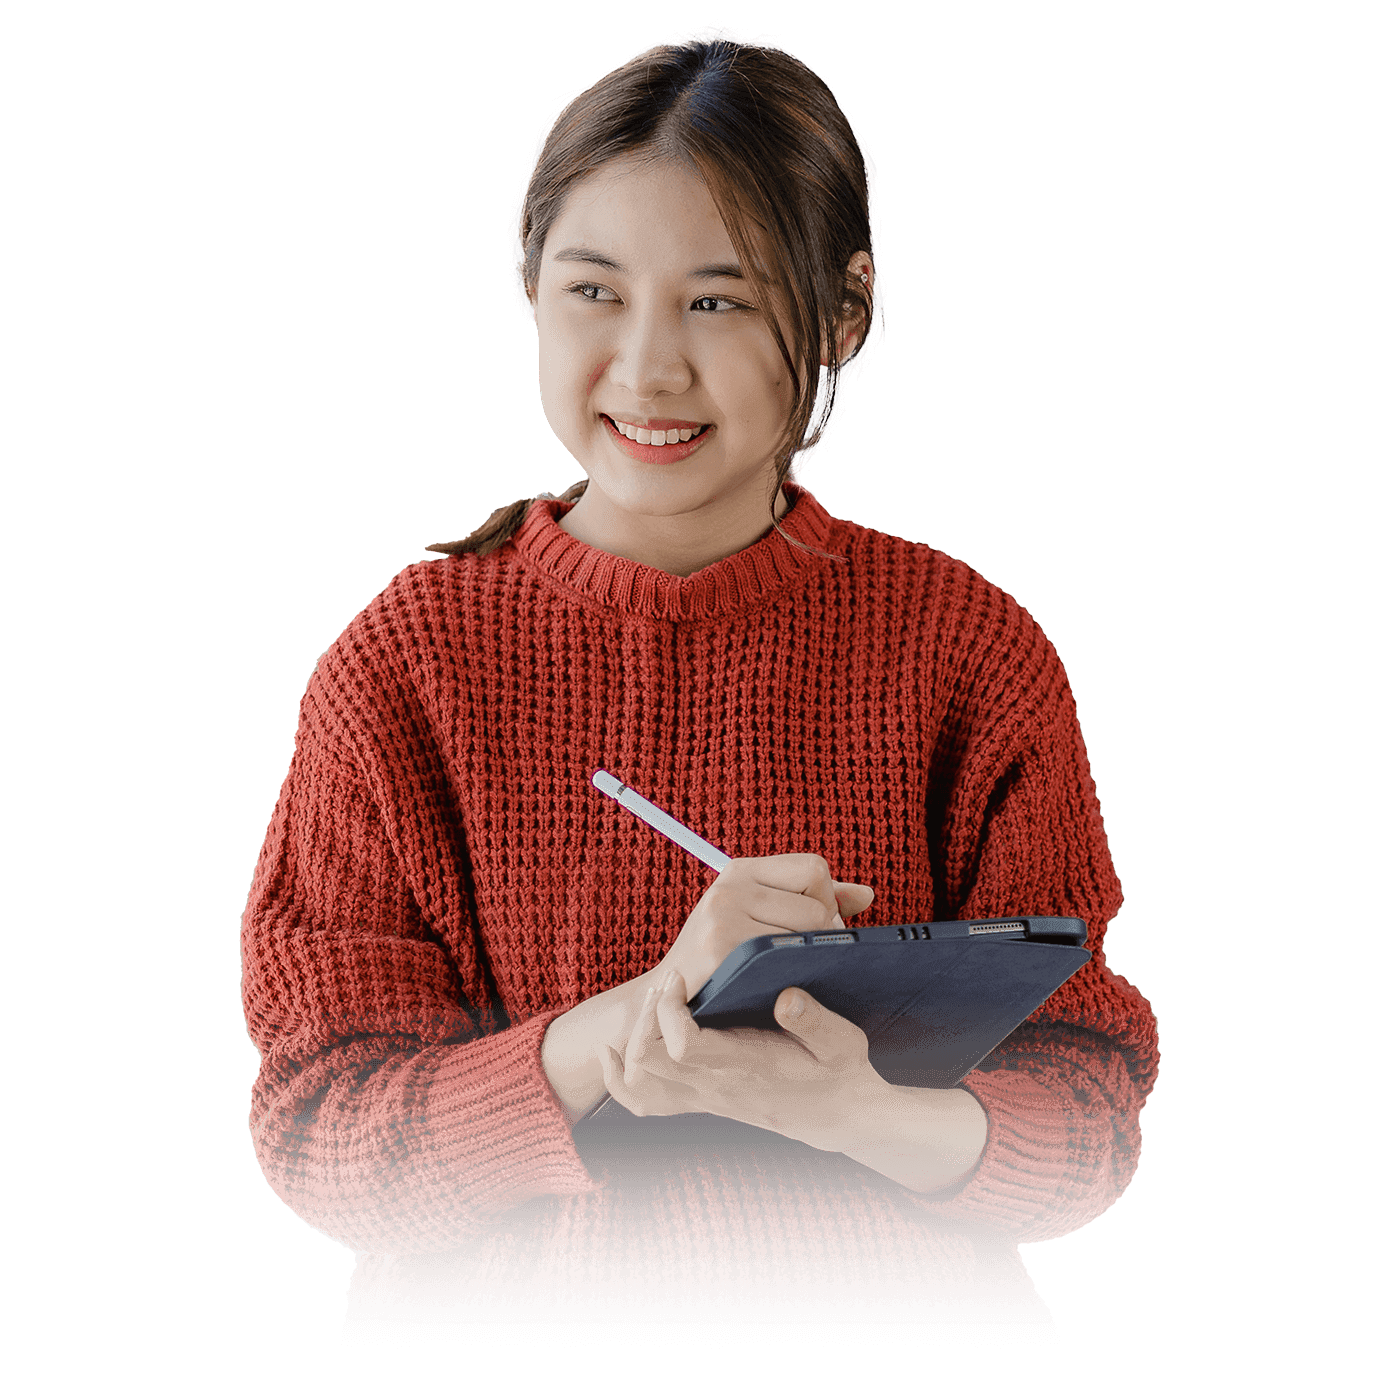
x,y
646,1028
825,1035
648,1096
647,1063
769,910
853,899
633,1084
795,872
821,888
678,1028
838,900
614,1081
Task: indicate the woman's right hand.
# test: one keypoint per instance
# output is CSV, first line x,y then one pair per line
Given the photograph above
x,y
754,896
749,897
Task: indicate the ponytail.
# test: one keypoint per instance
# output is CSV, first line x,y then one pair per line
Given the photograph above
x,y
502,524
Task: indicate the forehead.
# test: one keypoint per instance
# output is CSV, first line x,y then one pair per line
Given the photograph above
x,y
646,215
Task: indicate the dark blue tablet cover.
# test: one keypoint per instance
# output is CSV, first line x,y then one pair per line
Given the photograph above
x,y
933,999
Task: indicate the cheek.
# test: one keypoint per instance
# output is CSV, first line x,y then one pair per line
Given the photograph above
x,y
761,392
596,375
767,385
570,367
558,392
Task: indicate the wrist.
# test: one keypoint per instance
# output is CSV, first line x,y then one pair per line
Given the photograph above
x,y
925,1139
569,1050
864,1113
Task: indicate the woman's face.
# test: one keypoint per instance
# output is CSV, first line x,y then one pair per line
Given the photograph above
x,y
649,331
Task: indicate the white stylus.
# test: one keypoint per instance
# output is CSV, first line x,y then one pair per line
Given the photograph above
x,y
661,821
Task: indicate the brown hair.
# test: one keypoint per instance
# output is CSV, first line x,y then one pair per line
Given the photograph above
x,y
785,172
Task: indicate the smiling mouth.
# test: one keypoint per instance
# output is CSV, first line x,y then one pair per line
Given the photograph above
x,y
657,437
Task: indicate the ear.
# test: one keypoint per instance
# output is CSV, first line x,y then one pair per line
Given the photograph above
x,y
861,266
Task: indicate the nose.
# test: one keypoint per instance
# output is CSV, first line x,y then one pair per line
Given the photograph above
x,y
650,357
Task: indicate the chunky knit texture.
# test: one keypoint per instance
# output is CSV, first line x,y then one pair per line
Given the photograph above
x,y
440,879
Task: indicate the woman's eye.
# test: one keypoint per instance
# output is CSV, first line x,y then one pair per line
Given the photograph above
x,y
715,303
593,292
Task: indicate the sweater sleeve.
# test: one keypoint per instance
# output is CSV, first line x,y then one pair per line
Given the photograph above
x,y
396,1107
1021,833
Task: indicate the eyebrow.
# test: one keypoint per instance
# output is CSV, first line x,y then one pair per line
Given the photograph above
x,y
591,255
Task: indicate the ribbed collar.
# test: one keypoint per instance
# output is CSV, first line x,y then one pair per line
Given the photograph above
x,y
767,567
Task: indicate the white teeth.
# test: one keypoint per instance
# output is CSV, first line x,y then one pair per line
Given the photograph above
x,y
655,437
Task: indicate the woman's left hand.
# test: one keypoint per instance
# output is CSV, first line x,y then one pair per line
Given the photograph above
x,y
810,1080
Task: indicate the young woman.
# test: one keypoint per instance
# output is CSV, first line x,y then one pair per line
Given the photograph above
x,y
455,947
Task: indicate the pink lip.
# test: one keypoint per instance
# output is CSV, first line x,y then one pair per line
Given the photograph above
x,y
661,424
664,455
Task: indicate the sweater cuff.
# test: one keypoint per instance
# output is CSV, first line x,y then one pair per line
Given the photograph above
x,y
493,1117
1026,1157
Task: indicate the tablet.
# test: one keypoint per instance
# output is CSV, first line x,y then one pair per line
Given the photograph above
x,y
933,999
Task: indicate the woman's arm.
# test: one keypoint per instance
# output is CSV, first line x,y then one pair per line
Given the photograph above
x,y
811,1080
1015,827
923,1139
401,1103
398,1107
1042,1136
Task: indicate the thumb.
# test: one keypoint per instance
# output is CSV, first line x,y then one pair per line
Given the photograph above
x,y
852,899
801,1017
794,1010
825,1034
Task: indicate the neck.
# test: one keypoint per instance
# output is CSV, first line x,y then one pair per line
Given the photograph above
x,y
677,544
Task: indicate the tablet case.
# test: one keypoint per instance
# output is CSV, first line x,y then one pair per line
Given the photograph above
x,y
933,999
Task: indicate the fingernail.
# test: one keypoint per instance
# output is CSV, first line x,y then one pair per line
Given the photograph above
x,y
671,978
796,1004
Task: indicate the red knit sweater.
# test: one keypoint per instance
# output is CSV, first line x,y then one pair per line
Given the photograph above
x,y
440,879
